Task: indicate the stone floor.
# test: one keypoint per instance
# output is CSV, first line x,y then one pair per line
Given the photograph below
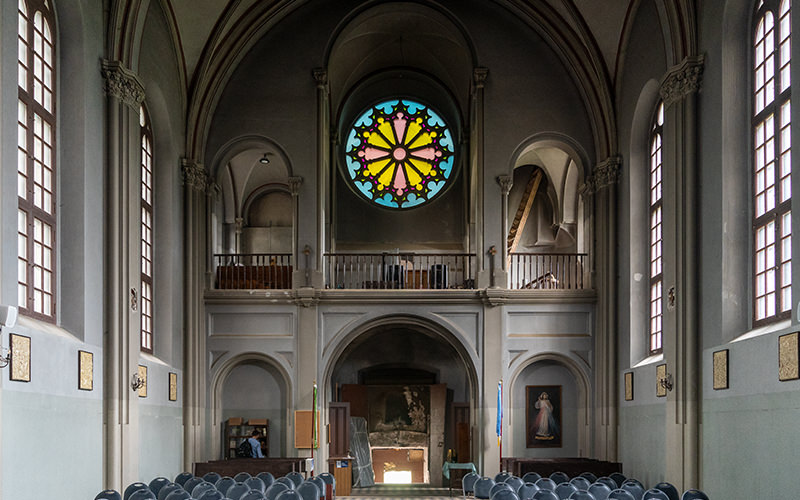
x,y
403,492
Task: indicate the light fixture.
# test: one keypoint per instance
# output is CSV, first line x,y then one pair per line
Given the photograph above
x,y
666,382
137,382
264,160
8,317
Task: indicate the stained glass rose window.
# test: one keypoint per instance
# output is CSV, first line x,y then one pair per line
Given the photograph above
x,y
399,154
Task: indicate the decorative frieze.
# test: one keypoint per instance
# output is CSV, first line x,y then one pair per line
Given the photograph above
x,y
122,84
194,175
682,80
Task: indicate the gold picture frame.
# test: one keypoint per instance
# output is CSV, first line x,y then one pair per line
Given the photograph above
x,y
143,376
85,370
629,386
788,357
661,374
20,347
720,369
173,386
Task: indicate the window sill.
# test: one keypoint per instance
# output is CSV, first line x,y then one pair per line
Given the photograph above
x,y
655,358
764,330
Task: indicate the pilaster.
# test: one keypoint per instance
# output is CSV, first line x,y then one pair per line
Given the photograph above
x,y
324,174
506,182
476,188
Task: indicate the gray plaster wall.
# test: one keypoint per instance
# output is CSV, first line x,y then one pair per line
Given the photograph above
x,y
160,424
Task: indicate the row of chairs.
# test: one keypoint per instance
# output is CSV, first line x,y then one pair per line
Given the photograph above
x,y
242,486
559,486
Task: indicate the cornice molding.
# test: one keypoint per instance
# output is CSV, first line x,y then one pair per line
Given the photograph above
x,y
682,80
122,84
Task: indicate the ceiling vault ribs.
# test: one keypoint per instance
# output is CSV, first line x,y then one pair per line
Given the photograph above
x,y
524,210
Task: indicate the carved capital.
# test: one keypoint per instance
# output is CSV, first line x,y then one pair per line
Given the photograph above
x,y
214,190
321,77
506,183
479,78
194,175
294,185
122,84
681,80
605,173
238,225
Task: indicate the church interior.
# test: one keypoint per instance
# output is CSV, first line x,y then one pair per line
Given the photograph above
x,y
486,232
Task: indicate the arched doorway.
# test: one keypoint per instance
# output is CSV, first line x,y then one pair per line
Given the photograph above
x,y
412,385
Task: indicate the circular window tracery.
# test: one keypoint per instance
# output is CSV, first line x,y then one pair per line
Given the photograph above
x,y
399,154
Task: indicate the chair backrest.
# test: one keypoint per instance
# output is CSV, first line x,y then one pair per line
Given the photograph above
x,y
275,489
191,483
309,490
545,495
296,477
211,495
565,489
212,477
468,482
514,482
612,485
580,482
501,477
133,487
108,495
620,494
255,483
669,489
546,483
694,495
531,477
526,491
183,477
252,495
267,477
145,494
242,477
588,475
654,494
498,487
505,494
581,495
483,486
180,494
600,490
559,477
288,495
237,490
285,480
225,483
321,485
634,481
167,489
158,483
328,478
201,488
634,489
618,478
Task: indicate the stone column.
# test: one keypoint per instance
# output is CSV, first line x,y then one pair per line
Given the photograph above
x,y
122,343
506,182
195,182
476,184
298,275
602,186
680,337
324,173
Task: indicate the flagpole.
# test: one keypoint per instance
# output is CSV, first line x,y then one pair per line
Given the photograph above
x,y
313,426
500,420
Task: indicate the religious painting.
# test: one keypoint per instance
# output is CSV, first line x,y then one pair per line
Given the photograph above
x,y
720,364
20,358
629,386
789,357
543,416
85,370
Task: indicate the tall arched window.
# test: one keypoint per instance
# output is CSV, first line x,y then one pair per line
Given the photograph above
x,y
772,187
147,233
36,159
656,250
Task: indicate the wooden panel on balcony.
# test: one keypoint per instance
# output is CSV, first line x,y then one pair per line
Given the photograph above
x,y
254,277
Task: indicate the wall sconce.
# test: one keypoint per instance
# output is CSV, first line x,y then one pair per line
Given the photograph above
x,y
137,382
8,317
666,382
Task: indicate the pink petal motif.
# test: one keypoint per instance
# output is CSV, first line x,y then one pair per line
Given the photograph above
x,y
370,154
427,153
400,180
400,125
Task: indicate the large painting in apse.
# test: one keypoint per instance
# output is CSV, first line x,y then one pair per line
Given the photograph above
x,y
543,416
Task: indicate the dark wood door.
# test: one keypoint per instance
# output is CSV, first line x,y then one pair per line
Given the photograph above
x,y
356,395
339,430
463,434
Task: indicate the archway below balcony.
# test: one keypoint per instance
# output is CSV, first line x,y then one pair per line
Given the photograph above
x,y
414,385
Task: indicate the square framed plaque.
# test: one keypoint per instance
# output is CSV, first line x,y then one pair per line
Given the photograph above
x,y
788,357
20,358
720,369
85,370
173,386
629,386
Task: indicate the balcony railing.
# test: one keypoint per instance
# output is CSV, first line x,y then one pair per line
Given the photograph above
x,y
250,271
549,271
399,270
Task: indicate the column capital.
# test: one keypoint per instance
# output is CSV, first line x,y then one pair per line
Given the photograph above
x,y
122,84
294,185
506,183
194,175
682,80
321,77
479,76
604,174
